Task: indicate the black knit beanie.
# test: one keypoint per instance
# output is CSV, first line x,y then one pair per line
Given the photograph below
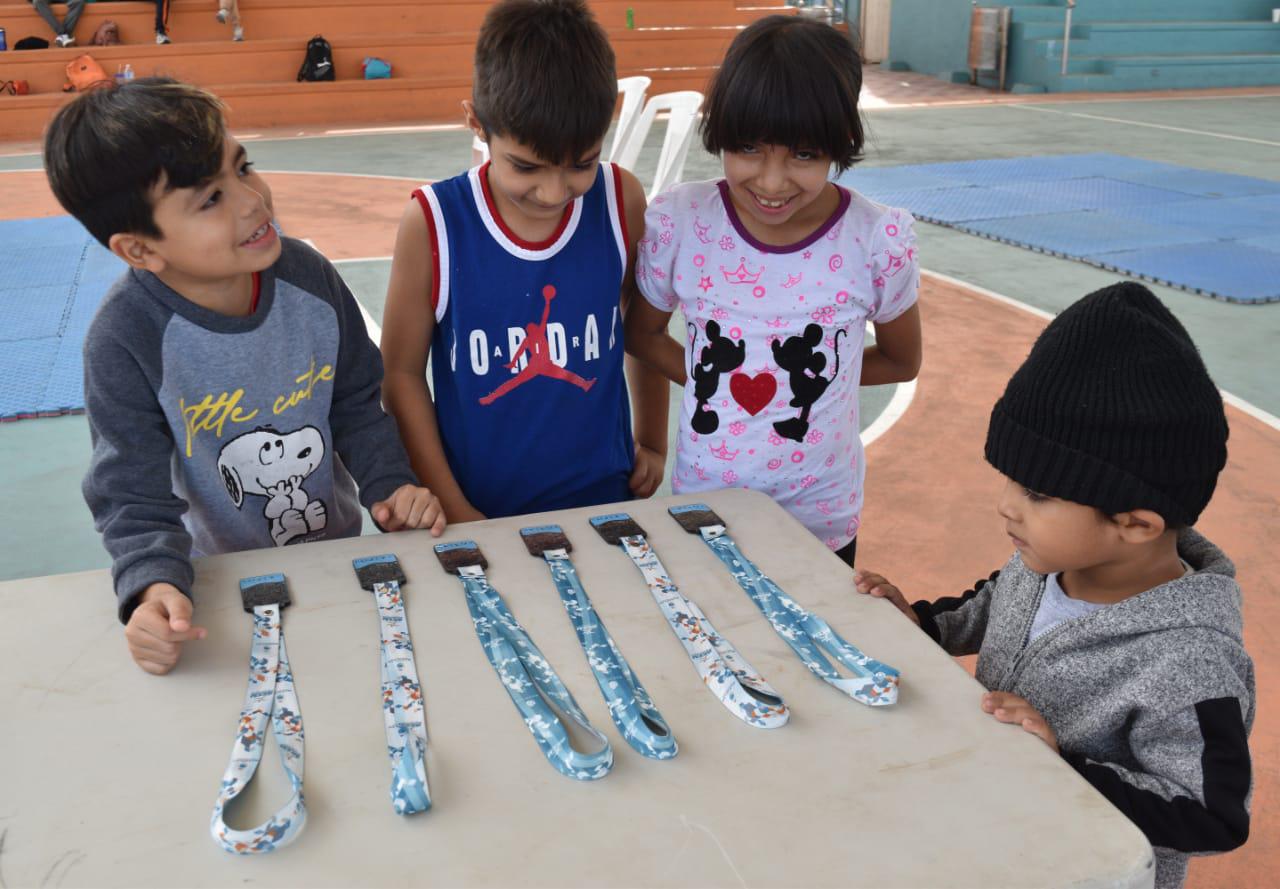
x,y
1114,408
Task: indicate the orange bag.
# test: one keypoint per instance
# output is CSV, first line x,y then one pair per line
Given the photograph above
x,y
84,73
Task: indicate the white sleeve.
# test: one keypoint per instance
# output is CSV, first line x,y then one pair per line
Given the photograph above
x,y
895,269
656,253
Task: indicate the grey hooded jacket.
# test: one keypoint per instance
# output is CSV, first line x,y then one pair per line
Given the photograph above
x,y
1151,699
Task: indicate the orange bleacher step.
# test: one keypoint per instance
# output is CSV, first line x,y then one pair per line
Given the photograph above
x,y
193,20
424,55
409,100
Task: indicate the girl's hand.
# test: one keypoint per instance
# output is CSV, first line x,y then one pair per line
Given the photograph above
x,y
875,585
1010,708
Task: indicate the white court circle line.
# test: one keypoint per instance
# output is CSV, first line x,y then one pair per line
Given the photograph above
x,y
1234,400
1154,126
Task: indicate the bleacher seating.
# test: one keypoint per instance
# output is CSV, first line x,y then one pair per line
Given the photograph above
x,y
676,43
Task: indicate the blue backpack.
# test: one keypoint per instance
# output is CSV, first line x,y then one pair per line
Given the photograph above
x,y
376,69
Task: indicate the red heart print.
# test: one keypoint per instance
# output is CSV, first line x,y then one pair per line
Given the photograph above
x,y
753,393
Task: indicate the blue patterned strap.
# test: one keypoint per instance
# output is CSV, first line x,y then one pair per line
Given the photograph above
x,y
404,717
726,674
270,695
872,683
535,689
630,706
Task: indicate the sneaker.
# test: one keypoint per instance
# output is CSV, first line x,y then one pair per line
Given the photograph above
x,y
238,33
162,38
221,16
64,40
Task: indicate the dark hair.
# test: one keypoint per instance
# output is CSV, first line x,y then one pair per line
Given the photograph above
x,y
107,148
545,76
787,81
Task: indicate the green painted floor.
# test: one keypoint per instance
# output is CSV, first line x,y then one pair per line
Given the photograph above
x,y
46,528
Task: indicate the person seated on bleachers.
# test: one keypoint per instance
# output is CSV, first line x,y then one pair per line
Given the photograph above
x,y
64,30
230,10
162,20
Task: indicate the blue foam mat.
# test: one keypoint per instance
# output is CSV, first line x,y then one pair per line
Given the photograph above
x,y
53,276
1254,273
1200,230
1079,234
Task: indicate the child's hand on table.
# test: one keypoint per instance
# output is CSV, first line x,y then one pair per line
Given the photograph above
x,y
875,585
1010,708
160,623
410,507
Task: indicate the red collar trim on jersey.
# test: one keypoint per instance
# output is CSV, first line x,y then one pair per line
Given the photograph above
x,y
502,225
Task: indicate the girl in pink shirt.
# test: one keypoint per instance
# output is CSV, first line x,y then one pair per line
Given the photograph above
x,y
777,272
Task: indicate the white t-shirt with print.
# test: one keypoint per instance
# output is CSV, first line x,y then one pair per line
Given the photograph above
x,y
774,340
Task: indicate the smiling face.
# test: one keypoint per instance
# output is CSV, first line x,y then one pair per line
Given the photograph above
x,y
215,232
532,193
781,195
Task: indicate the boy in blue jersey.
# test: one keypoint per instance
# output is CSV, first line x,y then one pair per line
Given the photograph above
x,y
231,388
511,279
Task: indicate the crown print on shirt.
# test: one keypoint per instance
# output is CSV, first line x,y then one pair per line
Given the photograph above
x,y
537,350
742,275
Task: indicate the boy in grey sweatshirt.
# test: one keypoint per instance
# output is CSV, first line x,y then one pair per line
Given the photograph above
x,y
232,392
1114,633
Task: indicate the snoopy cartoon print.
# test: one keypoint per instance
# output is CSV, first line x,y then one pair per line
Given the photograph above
x,y
274,465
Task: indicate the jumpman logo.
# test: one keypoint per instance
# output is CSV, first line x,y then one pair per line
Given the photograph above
x,y
537,348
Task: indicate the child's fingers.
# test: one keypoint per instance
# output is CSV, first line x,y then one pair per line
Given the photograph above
x,y
439,522
153,667
416,508
865,581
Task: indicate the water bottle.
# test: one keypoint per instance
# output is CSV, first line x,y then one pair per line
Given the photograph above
x,y
4,42
128,71
631,19
119,74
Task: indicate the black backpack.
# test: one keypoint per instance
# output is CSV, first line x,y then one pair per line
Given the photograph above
x,y
318,65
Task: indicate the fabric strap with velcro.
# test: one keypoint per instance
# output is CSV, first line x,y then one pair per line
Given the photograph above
x,y
270,696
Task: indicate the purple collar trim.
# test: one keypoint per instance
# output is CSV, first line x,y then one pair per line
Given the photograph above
x,y
821,230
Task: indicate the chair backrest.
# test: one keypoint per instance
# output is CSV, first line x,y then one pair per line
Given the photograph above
x,y
633,90
682,110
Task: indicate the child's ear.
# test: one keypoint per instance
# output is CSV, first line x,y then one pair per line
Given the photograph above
x,y
1138,525
135,250
473,122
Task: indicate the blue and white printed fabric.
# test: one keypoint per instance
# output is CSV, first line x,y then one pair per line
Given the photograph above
x,y
402,709
533,685
633,711
737,684
270,696
872,683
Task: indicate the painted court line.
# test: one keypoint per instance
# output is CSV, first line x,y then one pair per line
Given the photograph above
x,y
1154,126
1234,400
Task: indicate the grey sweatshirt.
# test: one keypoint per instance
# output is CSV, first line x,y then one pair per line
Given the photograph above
x,y
213,434
1151,698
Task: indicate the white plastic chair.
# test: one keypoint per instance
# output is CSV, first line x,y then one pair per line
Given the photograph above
x,y
479,151
682,110
633,90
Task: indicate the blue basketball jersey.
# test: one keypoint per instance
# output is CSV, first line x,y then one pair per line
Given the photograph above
x,y
527,352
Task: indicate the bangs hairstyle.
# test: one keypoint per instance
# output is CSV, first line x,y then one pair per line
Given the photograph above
x,y
545,76
105,151
787,81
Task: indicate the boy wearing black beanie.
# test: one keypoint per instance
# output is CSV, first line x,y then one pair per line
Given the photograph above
x,y
1115,632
